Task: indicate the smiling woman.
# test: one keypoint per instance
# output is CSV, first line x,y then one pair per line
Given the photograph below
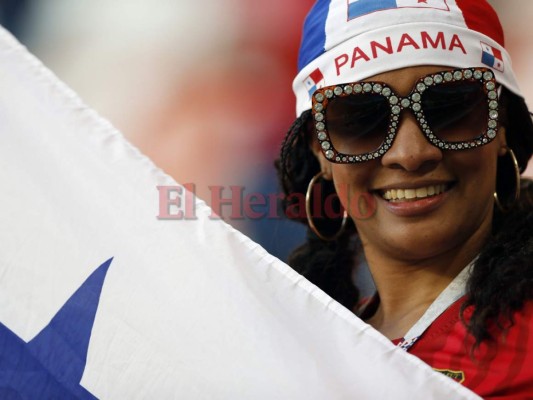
x,y
433,133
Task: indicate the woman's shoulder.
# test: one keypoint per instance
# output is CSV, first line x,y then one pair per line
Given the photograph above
x,y
503,365
452,326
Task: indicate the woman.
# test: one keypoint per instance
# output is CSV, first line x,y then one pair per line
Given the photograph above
x,y
409,111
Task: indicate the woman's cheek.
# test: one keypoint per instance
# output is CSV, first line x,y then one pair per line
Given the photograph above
x,y
359,204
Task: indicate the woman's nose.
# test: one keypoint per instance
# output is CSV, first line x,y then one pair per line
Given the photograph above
x,y
410,149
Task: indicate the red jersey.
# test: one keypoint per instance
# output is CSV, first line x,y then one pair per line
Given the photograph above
x,y
502,369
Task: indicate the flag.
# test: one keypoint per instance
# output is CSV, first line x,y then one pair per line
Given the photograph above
x,y
357,8
101,299
314,81
492,57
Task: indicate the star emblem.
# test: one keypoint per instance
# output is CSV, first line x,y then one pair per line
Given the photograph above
x,y
51,365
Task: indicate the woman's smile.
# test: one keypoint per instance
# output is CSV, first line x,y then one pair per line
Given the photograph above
x,y
417,206
413,193
410,200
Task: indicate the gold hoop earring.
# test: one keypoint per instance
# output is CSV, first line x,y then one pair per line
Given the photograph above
x,y
309,214
504,208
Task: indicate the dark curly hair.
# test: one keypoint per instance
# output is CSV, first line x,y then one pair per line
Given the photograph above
x,y
502,277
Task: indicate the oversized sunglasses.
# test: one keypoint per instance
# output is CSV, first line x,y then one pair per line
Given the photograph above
x,y
357,122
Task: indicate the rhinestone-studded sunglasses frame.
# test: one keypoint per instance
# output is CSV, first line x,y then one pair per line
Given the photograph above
x,y
322,96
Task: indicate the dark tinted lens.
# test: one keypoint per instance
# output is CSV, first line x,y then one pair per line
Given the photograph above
x,y
357,123
456,111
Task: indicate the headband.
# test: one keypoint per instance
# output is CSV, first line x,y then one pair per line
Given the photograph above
x,y
351,40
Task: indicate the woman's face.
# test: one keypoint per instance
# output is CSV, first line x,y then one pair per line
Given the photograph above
x,y
426,226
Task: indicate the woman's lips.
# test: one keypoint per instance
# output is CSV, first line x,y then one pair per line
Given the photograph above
x,y
407,202
414,193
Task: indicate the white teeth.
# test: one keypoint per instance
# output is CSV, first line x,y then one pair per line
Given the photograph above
x,y
400,194
418,193
410,193
421,192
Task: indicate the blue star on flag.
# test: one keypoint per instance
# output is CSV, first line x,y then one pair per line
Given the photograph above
x,y
51,365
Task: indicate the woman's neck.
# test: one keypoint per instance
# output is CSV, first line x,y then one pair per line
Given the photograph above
x,y
407,289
